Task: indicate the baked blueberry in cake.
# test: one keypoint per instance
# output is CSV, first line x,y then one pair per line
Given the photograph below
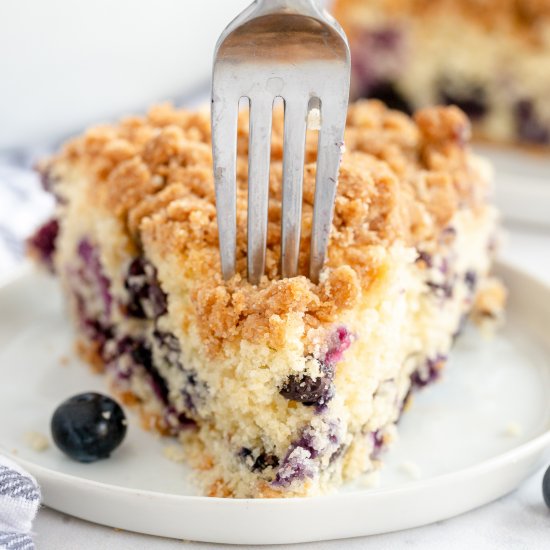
x,y
491,58
287,388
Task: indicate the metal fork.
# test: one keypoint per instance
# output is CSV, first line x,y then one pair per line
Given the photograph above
x,y
294,50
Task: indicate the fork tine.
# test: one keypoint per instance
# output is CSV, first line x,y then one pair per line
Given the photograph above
x,y
258,185
329,151
293,174
224,149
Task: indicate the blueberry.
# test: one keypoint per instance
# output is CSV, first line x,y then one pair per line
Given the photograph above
x,y
378,58
147,299
88,427
425,257
472,99
96,330
529,127
169,353
98,333
49,182
340,341
307,390
386,39
319,391
429,372
167,340
264,460
390,95
377,443
298,463
93,273
44,242
140,354
470,278
176,422
338,453
546,487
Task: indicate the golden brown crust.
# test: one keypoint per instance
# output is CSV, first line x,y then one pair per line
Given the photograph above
x,y
400,180
259,314
219,489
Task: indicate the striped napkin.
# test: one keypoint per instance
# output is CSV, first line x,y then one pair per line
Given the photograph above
x,y
22,206
19,502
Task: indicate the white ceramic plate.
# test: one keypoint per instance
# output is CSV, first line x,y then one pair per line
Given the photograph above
x,y
455,437
523,184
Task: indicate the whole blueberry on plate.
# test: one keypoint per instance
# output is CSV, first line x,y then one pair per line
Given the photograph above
x,y
88,427
546,487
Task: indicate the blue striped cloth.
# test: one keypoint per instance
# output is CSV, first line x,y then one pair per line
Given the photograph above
x,y
23,206
19,502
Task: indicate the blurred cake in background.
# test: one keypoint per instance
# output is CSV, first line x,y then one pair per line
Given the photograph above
x,y
489,57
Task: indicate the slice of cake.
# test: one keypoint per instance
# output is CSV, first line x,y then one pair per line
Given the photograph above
x,y
286,388
489,57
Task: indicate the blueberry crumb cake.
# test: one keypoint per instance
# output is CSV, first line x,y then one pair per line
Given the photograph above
x,y
287,388
489,57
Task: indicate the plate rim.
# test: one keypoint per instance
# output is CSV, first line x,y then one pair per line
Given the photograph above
x,y
538,443
509,456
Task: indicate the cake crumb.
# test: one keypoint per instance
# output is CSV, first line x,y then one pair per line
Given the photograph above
x,y
64,361
411,469
489,304
36,441
174,453
314,119
513,429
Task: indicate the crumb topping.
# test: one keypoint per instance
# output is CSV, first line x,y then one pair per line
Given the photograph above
x,y
401,179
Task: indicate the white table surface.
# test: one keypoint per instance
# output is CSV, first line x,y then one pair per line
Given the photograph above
x,y
517,521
